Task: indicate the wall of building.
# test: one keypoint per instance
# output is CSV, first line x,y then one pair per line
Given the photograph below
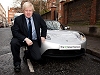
x,y
3,21
78,12
47,15
11,13
98,13
83,15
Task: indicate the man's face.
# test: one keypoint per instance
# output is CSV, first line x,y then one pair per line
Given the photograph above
x,y
28,12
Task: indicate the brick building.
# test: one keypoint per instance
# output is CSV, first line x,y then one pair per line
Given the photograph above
x,y
11,13
2,16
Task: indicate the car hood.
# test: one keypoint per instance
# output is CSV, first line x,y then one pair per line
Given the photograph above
x,y
63,37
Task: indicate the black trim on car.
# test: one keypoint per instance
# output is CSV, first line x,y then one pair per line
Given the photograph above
x,y
63,53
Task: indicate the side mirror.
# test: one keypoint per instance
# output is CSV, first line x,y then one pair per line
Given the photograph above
x,y
62,27
67,28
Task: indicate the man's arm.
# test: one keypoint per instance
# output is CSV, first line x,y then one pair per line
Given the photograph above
x,y
43,28
16,32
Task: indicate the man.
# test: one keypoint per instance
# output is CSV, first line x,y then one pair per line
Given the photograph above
x,y
26,31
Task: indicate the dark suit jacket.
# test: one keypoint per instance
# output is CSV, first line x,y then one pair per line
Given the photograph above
x,y
20,29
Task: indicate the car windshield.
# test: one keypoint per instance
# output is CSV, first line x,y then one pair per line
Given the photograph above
x,y
53,25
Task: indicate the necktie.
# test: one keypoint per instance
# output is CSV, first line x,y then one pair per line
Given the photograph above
x,y
30,29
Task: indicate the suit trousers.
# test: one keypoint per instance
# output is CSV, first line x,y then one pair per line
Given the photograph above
x,y
34,50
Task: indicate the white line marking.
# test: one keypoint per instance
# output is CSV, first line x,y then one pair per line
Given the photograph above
x,y
5,54
30,66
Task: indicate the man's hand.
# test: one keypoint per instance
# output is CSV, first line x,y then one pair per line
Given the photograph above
x,y
42,39
28,41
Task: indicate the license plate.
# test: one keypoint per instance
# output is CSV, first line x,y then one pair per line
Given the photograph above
x,y
69,47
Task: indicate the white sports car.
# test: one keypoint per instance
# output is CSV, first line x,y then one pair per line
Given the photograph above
x,y
61,42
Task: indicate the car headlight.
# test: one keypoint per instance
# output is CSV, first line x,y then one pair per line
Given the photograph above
x,y
48,37
80,35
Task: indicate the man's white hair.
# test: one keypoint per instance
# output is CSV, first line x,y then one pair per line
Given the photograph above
x,y
27,4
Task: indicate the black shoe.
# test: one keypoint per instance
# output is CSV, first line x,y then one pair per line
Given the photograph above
x,y
17,68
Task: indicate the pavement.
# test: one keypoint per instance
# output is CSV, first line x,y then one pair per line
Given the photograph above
x,y
93,45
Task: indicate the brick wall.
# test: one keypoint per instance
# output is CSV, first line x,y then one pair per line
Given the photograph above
x,y
98,13
83,15
47,15
51,15
78,12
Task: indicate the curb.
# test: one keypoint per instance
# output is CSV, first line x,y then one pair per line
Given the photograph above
x,y
93,53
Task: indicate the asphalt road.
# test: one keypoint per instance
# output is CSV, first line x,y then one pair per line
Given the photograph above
x,y
5,37
86,65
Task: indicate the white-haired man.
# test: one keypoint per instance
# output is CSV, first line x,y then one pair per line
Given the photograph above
x,y
26,31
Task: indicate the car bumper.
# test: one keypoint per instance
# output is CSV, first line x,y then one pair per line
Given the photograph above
x,y
63,53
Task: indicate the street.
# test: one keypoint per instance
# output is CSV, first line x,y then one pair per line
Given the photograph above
x,y
85,65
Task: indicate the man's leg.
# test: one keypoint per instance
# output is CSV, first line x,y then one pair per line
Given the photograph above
x,y
26,56
15,48
35,51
